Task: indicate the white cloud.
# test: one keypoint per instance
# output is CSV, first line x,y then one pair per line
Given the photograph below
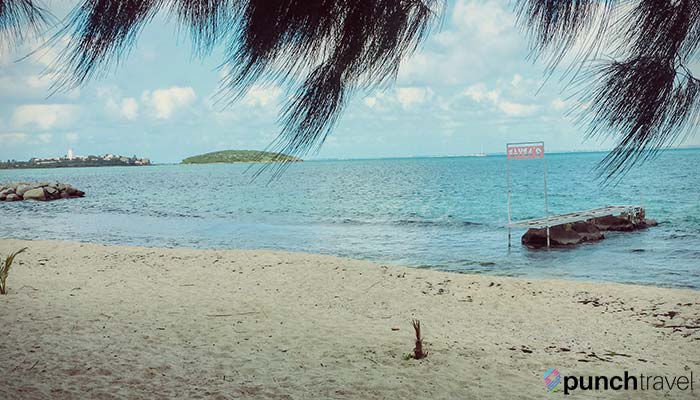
x,y
481,39
262,96
370,102
517,79
45,137
488,19
46,56
480,93
405,97
45,116
20,138
411,96
512,108
17,84
164,102
8,139
72,137
376,101
116,105
39,81
558,104
129,108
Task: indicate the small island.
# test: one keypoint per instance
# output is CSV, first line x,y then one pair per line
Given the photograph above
x,y
72,161
240,156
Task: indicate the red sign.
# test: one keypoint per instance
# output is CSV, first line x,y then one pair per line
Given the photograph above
x,y
519,152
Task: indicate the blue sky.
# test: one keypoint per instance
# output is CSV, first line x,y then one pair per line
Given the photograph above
x,y
471,86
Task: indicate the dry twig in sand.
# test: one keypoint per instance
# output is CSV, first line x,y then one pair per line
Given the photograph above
x,y
418,352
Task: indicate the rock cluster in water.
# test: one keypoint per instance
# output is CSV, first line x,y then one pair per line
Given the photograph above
x,y
590,230
40,191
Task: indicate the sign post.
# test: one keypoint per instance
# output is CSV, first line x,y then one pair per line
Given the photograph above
x,y
522,151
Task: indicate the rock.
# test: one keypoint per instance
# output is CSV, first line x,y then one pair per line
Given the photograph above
x,y
52,192
41,191
645,223
563,235
22,188
559,235
35,194
589,232
612,223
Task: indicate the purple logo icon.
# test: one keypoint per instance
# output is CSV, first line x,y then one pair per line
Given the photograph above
x,y
552,379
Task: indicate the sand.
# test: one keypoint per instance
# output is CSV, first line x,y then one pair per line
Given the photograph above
x,y
100,322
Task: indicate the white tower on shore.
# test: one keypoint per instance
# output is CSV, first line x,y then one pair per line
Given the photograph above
x,y
70,155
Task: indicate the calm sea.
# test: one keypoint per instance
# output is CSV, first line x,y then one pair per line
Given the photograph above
x,y
442,213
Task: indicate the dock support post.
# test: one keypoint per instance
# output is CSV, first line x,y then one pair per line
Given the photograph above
x,y
546,201
508,193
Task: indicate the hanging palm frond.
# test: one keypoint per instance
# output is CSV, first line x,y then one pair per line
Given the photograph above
x,y
643,92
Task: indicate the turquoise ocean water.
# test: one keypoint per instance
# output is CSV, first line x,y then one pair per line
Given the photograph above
x,y
442,213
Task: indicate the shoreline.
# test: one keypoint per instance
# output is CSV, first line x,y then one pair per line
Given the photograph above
x,y
117,321
390,264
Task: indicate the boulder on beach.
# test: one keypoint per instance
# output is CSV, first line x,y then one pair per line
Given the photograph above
x,y
12,197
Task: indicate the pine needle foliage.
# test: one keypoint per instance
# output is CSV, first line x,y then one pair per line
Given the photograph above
x,y
630,65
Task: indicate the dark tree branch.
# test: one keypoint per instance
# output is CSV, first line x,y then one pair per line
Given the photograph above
x,y
644,95
20,19
322,49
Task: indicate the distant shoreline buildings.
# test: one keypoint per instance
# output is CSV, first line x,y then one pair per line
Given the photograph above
x,y
70,160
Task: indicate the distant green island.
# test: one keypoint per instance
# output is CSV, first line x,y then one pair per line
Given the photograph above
x,y
240,156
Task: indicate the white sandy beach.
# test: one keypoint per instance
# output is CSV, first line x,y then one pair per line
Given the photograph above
x,y
100,322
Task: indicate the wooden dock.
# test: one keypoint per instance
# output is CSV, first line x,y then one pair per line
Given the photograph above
x,y
552,220
633,212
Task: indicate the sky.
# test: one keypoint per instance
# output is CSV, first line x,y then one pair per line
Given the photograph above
x,y
470,87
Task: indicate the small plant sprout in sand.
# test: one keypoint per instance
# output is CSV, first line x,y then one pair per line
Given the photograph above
x,y
418,352
5,270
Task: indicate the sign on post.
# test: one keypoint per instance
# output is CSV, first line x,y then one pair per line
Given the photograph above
x,y
523,151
